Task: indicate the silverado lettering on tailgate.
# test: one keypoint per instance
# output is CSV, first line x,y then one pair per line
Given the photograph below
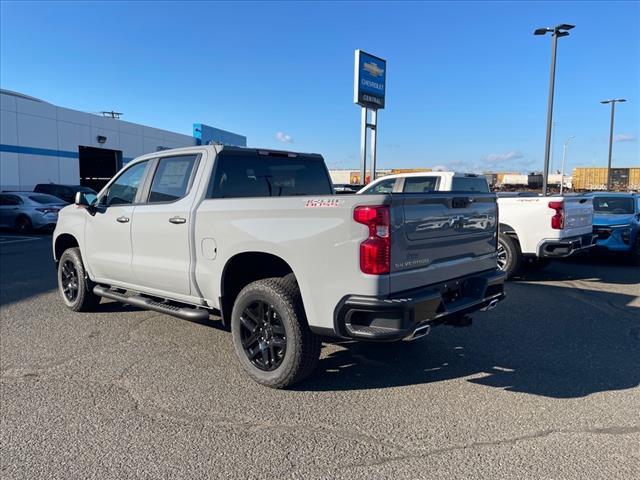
x,y
322,203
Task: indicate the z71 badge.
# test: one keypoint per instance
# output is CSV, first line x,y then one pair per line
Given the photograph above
x,y
322,203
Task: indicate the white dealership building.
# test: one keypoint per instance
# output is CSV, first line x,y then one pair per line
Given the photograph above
x,y
44,143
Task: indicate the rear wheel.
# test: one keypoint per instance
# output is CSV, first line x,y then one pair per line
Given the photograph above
x,y
23,225
74,285
509,255
270,333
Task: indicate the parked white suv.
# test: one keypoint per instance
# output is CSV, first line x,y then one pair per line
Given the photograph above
x,y
260,238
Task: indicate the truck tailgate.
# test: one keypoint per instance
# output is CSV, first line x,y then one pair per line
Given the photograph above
x,y
578,216
440,236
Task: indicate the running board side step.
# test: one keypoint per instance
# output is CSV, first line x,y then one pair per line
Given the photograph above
x,y
186,313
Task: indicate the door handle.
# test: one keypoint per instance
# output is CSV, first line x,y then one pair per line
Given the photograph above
x,y
177,220
123,219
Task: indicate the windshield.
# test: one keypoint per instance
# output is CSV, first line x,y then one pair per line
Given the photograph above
x,y
613,205
45,199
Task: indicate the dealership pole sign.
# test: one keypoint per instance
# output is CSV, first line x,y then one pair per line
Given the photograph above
x,y
369,89
370,79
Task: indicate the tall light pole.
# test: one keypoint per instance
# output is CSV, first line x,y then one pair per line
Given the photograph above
x,y
564,154
556,32
613,102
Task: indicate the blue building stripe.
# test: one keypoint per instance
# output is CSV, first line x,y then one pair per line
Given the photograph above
x,y
47,152
37,151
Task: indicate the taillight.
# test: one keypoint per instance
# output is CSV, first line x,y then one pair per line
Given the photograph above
x,y
375,251
48,210
557,221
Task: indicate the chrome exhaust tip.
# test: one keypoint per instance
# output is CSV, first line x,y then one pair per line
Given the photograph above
x,y
419,332
491,306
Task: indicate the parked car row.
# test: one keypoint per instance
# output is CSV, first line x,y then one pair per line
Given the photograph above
x,y
533,229
37,210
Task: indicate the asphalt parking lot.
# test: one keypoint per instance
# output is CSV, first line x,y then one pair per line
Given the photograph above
x,y
544,386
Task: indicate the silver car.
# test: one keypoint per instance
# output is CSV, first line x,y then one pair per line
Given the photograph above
x,y
26,211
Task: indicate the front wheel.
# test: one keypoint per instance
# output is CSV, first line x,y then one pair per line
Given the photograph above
x,y
270,333
74,285
509,256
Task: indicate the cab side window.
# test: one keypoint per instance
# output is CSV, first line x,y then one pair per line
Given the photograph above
x,y
124,189
172,178
420,184
384,186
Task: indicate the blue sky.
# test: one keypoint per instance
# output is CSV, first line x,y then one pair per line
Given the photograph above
x,y
466,81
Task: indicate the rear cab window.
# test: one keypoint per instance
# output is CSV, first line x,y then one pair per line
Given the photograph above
x,y
470,184
247,173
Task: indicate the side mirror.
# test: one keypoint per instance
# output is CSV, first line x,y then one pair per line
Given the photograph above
x,y
81,199
85,199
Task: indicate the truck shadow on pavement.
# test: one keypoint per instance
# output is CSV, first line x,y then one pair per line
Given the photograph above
x,y
615,269
553,341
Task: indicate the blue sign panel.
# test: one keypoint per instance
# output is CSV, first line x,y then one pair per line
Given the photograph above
x,y
370,80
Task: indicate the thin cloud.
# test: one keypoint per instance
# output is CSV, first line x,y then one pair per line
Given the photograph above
x,y
503,157
625,137
284,138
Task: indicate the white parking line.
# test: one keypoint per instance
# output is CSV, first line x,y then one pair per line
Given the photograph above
x,y
4,240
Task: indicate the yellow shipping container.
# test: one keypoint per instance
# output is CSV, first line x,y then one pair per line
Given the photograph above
x,y
634,179
589,178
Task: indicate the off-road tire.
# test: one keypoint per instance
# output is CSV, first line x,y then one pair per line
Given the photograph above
x,y
302,346
84,300
513,254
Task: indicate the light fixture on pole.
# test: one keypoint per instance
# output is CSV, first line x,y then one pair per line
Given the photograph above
x,y
613,102
564,154
558,31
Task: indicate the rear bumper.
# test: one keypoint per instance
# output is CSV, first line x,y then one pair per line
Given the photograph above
x,y
398,316
566,246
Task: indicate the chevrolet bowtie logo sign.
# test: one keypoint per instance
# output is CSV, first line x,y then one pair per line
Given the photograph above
x,y
370,80
373,69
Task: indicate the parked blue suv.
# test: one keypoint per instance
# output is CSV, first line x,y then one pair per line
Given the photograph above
x,y
616,221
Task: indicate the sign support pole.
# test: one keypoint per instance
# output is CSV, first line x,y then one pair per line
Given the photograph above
x,y
363,147
374,127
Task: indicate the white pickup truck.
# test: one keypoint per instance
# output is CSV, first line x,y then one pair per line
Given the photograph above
x,y
259,238
533,229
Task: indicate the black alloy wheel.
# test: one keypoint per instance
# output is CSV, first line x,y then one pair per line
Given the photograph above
x,y
69,277
502,258
263,335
